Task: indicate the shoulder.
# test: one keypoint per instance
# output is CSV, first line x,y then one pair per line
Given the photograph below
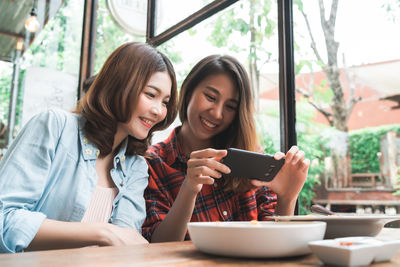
x,y
52,121
165,150
137,165
156,150
54,117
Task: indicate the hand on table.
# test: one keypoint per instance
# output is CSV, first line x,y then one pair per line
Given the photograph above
x,y
120,236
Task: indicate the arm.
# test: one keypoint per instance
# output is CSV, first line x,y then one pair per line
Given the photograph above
x,y
23,178
203,167
60,235
173,227
266,203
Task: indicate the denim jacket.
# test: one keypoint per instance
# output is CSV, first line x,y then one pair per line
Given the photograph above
x,y
49,172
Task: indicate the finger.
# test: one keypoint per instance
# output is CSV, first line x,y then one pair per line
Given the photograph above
x,y
279,155
205,180
204,171
258,183
210,163
208,153
298,157
292,151
306,164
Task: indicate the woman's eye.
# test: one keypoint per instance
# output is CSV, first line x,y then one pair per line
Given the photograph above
x,y
231,107
150,94
165,103
209,97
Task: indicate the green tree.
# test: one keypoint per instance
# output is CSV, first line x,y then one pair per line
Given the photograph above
x,y
257,27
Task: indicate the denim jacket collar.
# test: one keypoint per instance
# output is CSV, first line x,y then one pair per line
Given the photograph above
x,y
91,152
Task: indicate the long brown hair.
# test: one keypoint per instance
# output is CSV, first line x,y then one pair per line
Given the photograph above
x,y
113,96
242,131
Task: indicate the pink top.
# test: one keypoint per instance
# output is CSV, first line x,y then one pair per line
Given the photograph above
x,y
101,205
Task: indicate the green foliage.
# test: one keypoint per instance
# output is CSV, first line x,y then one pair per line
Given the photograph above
x,y
392,8
303,63
229,26
268,144
364,146
5,87
312,145
109,36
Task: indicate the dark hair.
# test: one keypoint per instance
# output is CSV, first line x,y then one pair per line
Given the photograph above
x,y
87,83
114,93
242,131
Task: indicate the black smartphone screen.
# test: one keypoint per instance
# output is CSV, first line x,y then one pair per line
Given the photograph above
x,y
251,165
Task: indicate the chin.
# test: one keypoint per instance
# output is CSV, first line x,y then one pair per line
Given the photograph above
x,y
140,136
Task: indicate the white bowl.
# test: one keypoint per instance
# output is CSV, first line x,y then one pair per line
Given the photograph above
x,y
344,225
354,251
255,239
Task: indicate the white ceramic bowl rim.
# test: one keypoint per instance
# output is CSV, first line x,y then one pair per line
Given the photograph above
x,y
258,225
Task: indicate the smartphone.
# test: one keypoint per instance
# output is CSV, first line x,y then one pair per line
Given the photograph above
x,y
251,165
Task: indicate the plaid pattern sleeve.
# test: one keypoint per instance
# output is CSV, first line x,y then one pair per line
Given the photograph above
x,y
266,203
157,200
165,179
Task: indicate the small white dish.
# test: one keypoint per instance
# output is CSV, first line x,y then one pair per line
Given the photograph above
x,y
386,250
331,251
354,251
255,239
344,225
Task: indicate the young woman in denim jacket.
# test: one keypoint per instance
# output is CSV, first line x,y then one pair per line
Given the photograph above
x,y
59,160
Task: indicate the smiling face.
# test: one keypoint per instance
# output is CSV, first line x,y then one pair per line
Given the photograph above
x,y
211,108
151,107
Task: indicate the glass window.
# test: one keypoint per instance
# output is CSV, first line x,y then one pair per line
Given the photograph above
x,y
348,120
170,12
5,87
253,40
110,34
50,67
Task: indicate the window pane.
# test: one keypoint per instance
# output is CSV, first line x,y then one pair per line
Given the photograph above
x,y
170,12
110,34
229,32
347,94
50,67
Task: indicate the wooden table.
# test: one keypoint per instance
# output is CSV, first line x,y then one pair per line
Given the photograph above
x,y
160,254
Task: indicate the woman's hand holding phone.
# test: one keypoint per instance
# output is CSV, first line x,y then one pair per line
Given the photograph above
x,y
289,181
203,167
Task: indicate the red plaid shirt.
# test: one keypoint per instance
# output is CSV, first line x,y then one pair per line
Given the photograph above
x,y
167,170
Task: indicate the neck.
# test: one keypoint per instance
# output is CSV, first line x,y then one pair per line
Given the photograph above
x,y
118,137
189,142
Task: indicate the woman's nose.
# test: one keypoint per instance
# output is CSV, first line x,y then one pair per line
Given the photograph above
x,y
217,112
157,108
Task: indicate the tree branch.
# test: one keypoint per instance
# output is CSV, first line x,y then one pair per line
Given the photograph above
x,y
324,112
313,44
332,17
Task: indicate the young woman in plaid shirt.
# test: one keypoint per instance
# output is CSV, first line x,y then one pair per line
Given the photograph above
x,y
185,182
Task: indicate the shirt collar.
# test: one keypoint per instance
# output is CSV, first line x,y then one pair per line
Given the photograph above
x,y
172,148
90,151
